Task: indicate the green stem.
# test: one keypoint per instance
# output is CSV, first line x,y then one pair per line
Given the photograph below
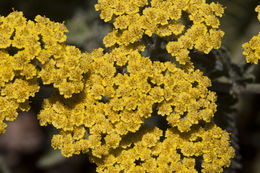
x,y
228,88
251,88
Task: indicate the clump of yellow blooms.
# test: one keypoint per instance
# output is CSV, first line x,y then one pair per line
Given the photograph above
x,y
252,48
145,152
30,51
103,98
115,102
185,24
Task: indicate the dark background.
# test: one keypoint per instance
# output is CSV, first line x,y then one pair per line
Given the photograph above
x,y
25,147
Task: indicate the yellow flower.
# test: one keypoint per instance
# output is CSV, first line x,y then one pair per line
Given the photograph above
x,y
103,99
132,20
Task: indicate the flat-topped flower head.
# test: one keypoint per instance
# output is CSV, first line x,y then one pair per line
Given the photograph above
x,y
185,24
123,89
33,50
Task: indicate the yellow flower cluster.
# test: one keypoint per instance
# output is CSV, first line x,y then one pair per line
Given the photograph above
x,y
252,48
167,19
103,99
145,152
30,51
123,89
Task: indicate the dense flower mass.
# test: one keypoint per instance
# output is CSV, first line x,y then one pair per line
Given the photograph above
x,y
123,89
178,152
31,50
252,48
109,104
183,24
